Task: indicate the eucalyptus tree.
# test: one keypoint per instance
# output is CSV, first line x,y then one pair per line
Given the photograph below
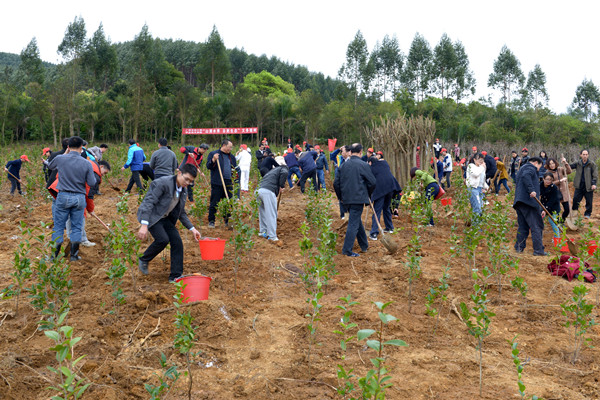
x,y
31,66
214,65
417,72
587,99
464,81
100,60
444,66
309,107
354,69
507,75
388,61
536,87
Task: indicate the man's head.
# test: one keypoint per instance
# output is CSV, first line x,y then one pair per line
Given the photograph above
x,y
104,167
24,158
226,146
513,154
186,175
356,149
103,147
131,142
75,143
474,150
537,162
437,140
202,148
443,151
584,155
370,152
379,155
162,142
65,143
524,151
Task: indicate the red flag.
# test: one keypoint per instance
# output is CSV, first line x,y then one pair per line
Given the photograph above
x,y
331,144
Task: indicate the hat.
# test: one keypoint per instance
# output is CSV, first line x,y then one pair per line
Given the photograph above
x,y
496,158
525,150
182,149
45,150
463,160
290,150
380,152
484,153
443,149
437,139
455,144
371,150
245,147
418,147
317,147
24,158
474,148
304,142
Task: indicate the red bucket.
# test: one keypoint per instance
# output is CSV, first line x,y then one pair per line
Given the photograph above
x,y
564,248
212,248
447,201
195,287
592,246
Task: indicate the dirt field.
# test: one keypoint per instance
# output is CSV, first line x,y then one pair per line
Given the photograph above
x,y
254,342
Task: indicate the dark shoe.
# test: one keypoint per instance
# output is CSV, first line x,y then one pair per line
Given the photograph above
x,y
174,280
75,251
364,250
143,266
211,225
541,254
373,236
352,254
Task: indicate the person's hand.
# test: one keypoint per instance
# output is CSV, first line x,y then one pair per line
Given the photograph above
x,y
543,214
122,168
533,194
197,234
143,232
563,179
5,169
215,157
564,160
593,187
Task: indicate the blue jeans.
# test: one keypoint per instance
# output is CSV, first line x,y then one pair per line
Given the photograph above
x,y
293,171
68,204
553,225
475,200
380,205
431,191
321,178
355,230
499,183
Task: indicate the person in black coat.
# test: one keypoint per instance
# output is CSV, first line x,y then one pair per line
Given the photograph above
x,y
386,187
550,197
228,165
354,183
530,216
268,163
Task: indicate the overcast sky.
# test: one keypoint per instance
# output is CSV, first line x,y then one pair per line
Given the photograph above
x,y
560,36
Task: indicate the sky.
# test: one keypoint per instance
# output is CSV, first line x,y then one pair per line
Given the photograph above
x,y
560,36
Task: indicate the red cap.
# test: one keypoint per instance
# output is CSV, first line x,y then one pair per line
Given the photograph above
x,y
24,158
290,150
525,149
317,147
418,147
45,150
244,147
437,139
474,148
380,153
304,142
182,149
455,144
443,149
496,158
463,160
371,150
484,153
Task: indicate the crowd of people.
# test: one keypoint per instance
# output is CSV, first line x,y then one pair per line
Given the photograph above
x,y
74,174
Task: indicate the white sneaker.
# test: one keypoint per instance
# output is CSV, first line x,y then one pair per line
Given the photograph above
x,y
87,243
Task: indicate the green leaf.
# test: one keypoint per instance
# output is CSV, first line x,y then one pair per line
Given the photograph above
x,y
364,333
52,335
374,344
385,318
396,342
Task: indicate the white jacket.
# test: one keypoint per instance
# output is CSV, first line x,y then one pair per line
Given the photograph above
x,y
244,159
447,163
474,176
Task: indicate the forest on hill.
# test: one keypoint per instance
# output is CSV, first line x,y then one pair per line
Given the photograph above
x,y
151,87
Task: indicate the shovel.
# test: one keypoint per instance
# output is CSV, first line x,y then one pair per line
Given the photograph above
x,y
573,248
93,214
113,186
389,243
222,180
14,176
569,220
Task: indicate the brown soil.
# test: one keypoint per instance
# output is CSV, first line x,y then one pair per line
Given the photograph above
x,y
254,342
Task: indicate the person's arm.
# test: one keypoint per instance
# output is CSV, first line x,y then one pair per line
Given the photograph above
x,y
594,176
153,160
129,158
210,161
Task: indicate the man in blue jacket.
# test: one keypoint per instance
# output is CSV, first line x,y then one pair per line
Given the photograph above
x,y
354,183
530,217
293,167
227,163
309,169
135,161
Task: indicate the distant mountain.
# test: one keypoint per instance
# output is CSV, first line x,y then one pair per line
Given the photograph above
x,y
14,60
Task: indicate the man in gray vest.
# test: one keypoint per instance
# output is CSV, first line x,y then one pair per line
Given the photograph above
x,y
163,205
163,160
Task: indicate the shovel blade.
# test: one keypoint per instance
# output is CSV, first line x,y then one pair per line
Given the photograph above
x,y
390,244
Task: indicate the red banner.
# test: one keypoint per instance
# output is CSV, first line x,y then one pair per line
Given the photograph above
x,y
219,131
331,144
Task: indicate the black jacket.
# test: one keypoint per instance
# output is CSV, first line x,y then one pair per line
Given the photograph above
x,y
267,164
215,179
385,182
354,183
490,166
527,182
550,197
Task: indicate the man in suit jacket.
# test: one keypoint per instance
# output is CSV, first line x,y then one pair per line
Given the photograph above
x,y
163,205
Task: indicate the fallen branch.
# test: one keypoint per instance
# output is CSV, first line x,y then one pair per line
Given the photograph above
x,y
31,369
130,339
253,324
455,311
154,332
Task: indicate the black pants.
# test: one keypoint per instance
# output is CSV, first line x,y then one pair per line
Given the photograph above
x,y
305,175
566,211
579,195
14,184
190,190
216,194
135,177
529,219
355,230
164,232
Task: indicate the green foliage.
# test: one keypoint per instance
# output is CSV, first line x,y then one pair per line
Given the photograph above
x,y
169,376
519,367
437,294
185,335
345,384
69,384
22,263
115,280
581,320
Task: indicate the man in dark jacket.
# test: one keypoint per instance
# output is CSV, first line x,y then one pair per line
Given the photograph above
x,y
227,162
490,167
354,183
530,217
259,155
163,161
268,163
386,187
163,205
586,177
308,166
194,156
269,188
321,167
293,167
515,161
524,157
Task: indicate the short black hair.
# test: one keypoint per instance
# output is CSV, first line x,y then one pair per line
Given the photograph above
x,y
373,159
189,169
514,152
131,141
65,143
225,142
85,143
356,148
536,160
105,164
104,146
347,147
582,150
549,174
204,146
75,142
162,141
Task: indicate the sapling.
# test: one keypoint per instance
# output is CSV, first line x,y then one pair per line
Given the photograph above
x,y
345,384
519,366
185,336
413,262
22,263
437,295
115,280
169,376
377,380
581,313
480,328
70,385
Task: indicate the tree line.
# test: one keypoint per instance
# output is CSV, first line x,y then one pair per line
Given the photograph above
x,y
150,87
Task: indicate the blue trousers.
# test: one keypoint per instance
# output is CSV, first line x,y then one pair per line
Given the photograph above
x,y
499,183
293,171
529,219
380,205
68,204
355,229
431,191
321,178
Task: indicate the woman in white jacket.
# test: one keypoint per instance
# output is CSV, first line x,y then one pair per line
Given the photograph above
x,y
476,182
244,161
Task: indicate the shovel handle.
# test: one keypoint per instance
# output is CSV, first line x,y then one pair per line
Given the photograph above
x,y
222,180
376,219
546,211
93,214
14,176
